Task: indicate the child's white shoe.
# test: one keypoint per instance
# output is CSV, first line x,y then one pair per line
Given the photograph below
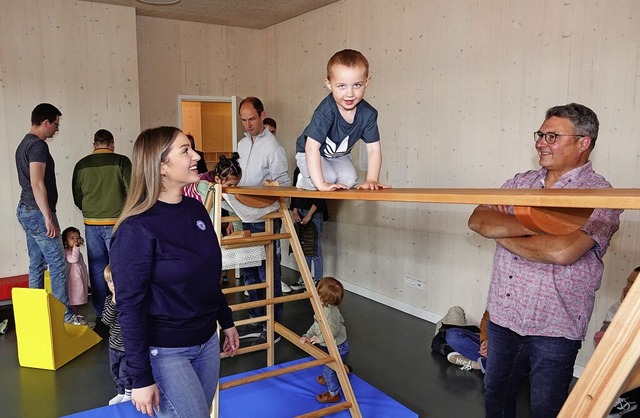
x,y
117,399
126,398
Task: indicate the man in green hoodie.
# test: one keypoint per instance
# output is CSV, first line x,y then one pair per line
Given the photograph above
x,y
100,184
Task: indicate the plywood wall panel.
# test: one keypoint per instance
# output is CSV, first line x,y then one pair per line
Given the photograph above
x,y
186,58
80,57
460,87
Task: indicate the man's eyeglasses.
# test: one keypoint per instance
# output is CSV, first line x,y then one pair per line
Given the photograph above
x,y
549,137
55,123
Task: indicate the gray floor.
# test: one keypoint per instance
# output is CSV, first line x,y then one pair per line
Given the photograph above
x,y
389,349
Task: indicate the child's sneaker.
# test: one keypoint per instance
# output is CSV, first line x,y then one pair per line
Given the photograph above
x,y
327,397
116,399
125,398
79,320
320,379
3,326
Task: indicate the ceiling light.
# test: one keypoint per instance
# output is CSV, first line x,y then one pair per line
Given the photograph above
x,y
159,2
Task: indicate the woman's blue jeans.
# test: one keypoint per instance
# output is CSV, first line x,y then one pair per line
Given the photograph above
x,y
550,361
187,378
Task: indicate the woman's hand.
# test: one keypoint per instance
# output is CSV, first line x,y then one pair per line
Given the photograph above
x,y
146,399
231,341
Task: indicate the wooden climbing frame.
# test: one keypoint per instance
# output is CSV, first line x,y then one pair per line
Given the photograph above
x,y
614,367
267,238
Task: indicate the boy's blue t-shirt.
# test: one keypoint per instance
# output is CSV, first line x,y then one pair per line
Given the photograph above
x,y
336,135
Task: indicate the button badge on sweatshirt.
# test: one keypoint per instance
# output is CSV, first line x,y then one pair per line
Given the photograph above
x,y
201,225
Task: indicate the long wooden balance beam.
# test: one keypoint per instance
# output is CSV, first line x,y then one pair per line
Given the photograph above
x,y
561,198
615,365
552,211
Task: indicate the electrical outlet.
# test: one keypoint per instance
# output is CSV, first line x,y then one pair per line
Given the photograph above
x,y
413,282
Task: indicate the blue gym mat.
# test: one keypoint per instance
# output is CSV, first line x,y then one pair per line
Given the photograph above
x,y
279,397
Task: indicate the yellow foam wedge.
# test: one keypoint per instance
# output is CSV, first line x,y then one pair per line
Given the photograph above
x,y
44,340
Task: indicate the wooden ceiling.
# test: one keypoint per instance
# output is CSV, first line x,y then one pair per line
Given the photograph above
x,y
254,14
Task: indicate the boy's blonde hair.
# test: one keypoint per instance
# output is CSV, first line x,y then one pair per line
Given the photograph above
x,y
349,58
107,273
330,291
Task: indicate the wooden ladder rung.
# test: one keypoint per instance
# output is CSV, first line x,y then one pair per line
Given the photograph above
x,y
310,349
259,238
245,350
327,411
273,373
236,218
269,301
240,322
242,288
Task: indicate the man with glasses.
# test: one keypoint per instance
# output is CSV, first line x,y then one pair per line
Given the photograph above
x,y
543,286
262,157
37,208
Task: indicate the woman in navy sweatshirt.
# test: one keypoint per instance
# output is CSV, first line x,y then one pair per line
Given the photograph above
x,y
166,265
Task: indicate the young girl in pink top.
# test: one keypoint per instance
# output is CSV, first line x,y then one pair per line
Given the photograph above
x,y
77,273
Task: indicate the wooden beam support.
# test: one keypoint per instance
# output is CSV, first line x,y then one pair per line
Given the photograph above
x,y
612,364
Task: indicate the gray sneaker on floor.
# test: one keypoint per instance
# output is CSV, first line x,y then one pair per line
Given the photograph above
x,y
262,338
249,331
459,360
299,285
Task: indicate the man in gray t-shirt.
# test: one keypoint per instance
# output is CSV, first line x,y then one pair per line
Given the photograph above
x,y
37,208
